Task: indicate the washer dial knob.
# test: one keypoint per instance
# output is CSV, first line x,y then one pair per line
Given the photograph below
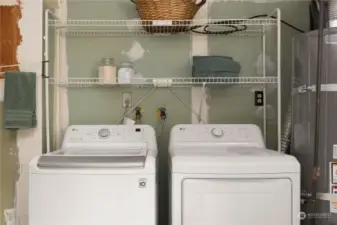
x,y
103,133
217,132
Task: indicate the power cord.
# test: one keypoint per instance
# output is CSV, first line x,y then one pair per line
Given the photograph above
x,y
162,115
233,28
200,119
127,105
120,120
284,22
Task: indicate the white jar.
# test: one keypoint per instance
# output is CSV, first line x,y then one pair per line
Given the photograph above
x,y
125,73
107,71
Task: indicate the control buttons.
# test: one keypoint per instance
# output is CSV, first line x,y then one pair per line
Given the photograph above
x,y
103,133
217,132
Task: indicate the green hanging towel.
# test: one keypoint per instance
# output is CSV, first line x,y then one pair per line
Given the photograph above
x,y
20,100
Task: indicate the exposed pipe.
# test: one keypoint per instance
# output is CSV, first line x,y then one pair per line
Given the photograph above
x,y
279,80
319,72
46,73
46,83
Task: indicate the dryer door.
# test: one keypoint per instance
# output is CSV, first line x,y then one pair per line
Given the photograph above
x,y
237,201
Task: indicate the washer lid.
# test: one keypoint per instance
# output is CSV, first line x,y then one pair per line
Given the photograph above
x,y
121,155
227,159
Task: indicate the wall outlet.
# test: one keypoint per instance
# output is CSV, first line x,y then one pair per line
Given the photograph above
x,y
126,99
258,98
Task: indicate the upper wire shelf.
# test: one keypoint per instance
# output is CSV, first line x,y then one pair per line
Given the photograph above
x,y
94,28
168,82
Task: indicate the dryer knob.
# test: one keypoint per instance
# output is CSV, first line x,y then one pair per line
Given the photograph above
x,y
217,132
103,133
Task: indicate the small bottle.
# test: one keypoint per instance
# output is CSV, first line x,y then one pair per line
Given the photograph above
x,y
125,73
107,71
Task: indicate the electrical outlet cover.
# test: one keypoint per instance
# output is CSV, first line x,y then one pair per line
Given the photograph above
x,y
126,96
258,98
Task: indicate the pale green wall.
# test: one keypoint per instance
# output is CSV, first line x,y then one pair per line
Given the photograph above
x,y
170,56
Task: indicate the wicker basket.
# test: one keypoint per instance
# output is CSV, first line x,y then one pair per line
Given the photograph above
x,y
175,11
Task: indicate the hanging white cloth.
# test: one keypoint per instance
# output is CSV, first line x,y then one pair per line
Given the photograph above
x,y
61,120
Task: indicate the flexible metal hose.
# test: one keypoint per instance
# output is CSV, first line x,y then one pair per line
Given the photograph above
x,y
319,72
285,139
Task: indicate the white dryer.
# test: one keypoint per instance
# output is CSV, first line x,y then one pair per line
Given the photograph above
x,y
102,175
222,174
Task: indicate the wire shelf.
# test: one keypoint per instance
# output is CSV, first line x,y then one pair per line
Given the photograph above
x,y
121,33
168,82
110,28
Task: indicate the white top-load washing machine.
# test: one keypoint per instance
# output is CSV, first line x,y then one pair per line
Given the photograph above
x,y
102,175
223,175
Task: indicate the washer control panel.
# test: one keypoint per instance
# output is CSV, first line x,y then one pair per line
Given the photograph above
x,y
105,134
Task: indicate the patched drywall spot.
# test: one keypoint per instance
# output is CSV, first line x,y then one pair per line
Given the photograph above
x,y
135,53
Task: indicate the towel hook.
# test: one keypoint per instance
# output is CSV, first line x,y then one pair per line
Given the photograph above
x,y
8,66
2,74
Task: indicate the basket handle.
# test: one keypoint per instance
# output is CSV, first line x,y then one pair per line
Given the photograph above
x,y
200,4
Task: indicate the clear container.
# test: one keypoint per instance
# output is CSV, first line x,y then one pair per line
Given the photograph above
x,y
125,73
107,71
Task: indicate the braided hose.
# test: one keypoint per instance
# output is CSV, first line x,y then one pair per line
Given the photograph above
x,y
285,139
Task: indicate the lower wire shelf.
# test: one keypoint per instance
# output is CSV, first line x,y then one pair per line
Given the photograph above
x,y
165,82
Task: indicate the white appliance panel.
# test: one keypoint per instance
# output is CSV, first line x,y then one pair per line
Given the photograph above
x,y
92,199
237,201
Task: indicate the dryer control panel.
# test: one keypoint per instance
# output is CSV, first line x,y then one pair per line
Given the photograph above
x,y
107,134
223,133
